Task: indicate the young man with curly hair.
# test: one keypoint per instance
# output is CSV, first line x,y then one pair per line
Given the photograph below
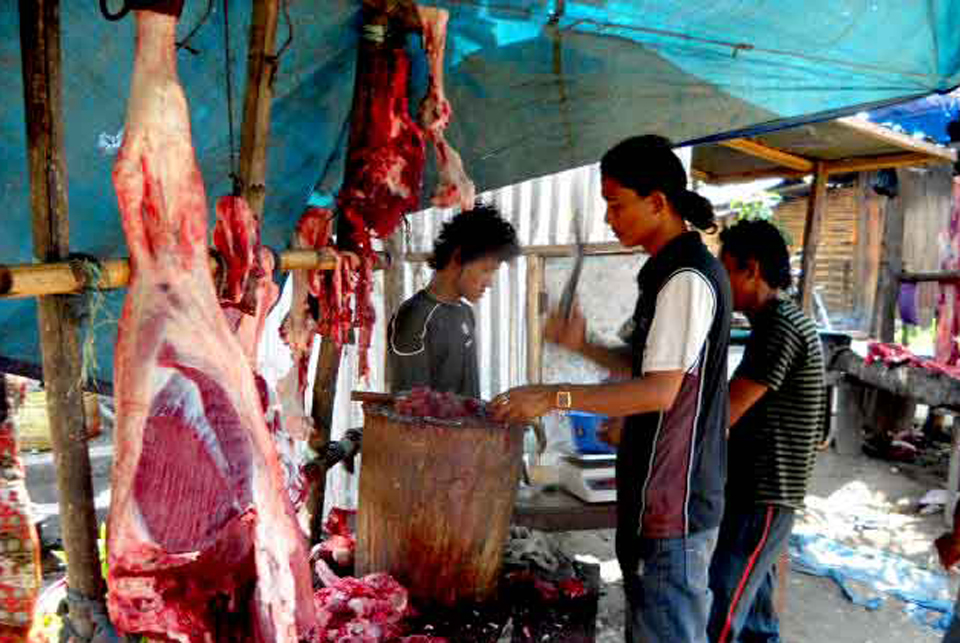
x,y
432,337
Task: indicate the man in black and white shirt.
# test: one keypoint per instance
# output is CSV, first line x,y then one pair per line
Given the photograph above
x,y
776,410
672,454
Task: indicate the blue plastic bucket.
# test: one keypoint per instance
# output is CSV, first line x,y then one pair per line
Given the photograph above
x,y
584,427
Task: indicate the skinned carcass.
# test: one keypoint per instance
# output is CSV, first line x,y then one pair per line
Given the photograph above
x,y
203,545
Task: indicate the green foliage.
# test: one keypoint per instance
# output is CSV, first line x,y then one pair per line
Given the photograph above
x,y
760,206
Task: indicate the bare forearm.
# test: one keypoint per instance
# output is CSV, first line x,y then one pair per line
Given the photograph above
x,y
648,394
618,360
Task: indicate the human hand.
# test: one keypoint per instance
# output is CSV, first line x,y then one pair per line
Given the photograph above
x,y
569,332
522,404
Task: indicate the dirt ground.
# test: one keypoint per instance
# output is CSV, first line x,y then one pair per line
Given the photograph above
x,y
881,495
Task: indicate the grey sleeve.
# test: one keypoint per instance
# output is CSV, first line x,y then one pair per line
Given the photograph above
x,y
408,359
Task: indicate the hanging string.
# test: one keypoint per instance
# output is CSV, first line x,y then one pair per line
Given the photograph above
x,y
184,44
234,175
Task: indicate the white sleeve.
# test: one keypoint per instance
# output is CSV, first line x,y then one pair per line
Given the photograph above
x,y
686,305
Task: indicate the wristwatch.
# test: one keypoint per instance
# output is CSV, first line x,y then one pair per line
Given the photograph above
x,y
564,400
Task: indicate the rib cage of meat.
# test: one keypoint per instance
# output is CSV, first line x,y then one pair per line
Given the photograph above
x,y
202,542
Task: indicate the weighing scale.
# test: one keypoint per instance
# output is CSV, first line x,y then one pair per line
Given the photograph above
x,y
589,477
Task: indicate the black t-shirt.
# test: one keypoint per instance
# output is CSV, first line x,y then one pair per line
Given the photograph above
x,y
432,343
671,466
773,446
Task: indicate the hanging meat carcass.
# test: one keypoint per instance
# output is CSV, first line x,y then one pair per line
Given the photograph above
x,y
383,179
249,270
203,545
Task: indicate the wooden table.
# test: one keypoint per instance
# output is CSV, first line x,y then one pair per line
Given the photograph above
x,y
560,511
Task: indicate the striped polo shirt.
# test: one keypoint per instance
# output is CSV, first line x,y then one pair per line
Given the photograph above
x,y
772,448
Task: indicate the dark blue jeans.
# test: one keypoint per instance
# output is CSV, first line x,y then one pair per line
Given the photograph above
x,y
743,573
953,632
666,582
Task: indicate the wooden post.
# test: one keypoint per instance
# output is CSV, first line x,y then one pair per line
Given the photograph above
x,y
534,315
324,395
392,295
816,205
59,332
261,67
891,265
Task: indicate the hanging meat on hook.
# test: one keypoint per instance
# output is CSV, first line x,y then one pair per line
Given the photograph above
x,y
203,544
383,181
454,188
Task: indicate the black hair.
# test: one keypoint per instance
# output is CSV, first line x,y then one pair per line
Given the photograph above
x,y
647,163
762,241
477,233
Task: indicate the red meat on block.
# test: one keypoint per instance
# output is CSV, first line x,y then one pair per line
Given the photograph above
x,y
203,545
371,609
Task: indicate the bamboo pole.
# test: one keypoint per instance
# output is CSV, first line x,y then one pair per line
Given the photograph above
x,y
59,331
66,277
261,67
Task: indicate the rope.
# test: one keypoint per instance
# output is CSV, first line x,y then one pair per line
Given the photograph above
x,y
103,630
234,175
183,43
286,43
88,308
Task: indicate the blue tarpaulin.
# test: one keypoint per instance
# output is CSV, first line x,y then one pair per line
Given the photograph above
x,y
537,86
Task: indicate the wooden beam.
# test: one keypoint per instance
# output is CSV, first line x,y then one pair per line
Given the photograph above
x,y
882,162
767,153
534,319
897,139
261,68
942,276
922,385
891,266
604,248
756,175
324,396
392,296
59,330
816,206
64,277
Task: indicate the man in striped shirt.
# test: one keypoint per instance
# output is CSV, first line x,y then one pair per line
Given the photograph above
x,y
776,409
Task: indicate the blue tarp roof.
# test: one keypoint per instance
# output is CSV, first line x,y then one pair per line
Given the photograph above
x,y
926,117
533,92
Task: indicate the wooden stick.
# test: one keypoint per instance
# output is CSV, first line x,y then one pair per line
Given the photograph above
x,y
64,277
761,151
883,161
371,397
941,276
261,67
816,206
59,332
604,248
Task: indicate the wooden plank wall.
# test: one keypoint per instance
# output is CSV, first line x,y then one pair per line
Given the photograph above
x,y
927,195
836,263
